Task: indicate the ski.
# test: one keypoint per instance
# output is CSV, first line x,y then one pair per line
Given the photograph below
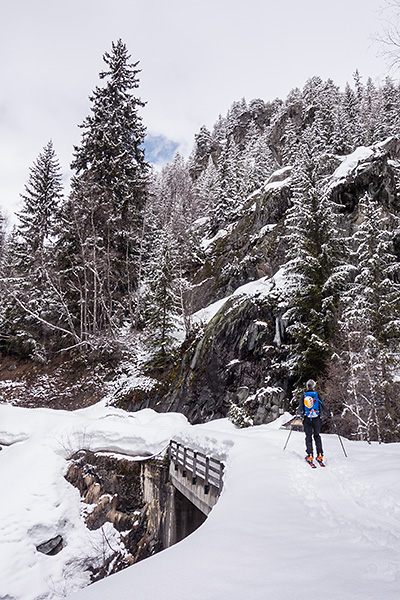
x,y
311,463
321,463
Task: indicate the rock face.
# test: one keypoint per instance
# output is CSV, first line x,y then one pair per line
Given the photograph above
x,y
231,362
376,171
239,355
112,488
137,498
248,248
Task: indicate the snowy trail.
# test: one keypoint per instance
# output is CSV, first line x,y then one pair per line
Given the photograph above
x,y
280,529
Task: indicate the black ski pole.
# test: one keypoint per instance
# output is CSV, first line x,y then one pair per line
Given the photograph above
x,y
340,439
290,433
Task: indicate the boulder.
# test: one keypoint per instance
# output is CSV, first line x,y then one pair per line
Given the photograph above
x,y
51,547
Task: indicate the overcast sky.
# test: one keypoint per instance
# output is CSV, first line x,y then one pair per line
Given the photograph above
x,y
197,58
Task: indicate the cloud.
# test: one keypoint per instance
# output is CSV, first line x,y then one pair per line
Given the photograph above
x,y
196,60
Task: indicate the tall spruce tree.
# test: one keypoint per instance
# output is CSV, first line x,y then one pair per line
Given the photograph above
x,y
201,153
3,286
370,322
261,161
352,127
234,184
311,295
163,305
100,240
2,239
207,188
41,205
173,209
370,110
389,121
34,310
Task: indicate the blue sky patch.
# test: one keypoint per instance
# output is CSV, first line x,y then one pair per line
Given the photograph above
x,y
159,149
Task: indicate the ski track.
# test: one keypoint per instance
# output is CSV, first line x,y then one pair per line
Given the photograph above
x,y
348,506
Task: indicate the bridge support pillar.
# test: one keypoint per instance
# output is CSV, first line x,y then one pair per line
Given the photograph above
x,y
171,515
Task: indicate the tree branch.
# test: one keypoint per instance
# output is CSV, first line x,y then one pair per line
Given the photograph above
x,y
51,325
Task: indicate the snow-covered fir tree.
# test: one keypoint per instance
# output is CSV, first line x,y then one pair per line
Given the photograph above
x,y
261,162
370,323
41,205
207,188
389,119
234,184
201,152
173,209
163,305
31,307
311,235
99,243
2,238
370,108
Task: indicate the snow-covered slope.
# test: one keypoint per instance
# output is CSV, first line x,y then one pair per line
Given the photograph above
x,y
280,530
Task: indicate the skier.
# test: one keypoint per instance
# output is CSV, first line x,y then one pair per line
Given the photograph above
x,y
310,409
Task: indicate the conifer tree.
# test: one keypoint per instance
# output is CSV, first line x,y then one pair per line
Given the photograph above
x,y
352,117
2,239
219,132
370,109
111,150
389,120
99,242
3,286
33,312
261,162
201,153
312,295
325,116
41,205
237,121
370,321
174,207
340,140
207,188
290,141
290,115
162,299
234,183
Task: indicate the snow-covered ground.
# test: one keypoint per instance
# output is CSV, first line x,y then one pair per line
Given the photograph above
x,y
280,529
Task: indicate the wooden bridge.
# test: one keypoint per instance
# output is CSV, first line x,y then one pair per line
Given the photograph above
x,y
195,475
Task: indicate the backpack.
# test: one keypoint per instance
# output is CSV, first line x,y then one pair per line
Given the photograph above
x,y
311,404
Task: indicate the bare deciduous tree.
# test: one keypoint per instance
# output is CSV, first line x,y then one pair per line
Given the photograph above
x,y
389,38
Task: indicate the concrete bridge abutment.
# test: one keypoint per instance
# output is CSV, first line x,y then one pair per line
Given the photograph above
x,y
171,515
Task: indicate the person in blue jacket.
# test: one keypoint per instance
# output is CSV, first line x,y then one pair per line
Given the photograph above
x,y
310,410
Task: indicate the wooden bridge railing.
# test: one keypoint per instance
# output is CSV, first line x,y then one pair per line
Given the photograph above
x,y
207,469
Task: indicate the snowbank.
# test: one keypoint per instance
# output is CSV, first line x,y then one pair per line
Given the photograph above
x,y
278,528
37,503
